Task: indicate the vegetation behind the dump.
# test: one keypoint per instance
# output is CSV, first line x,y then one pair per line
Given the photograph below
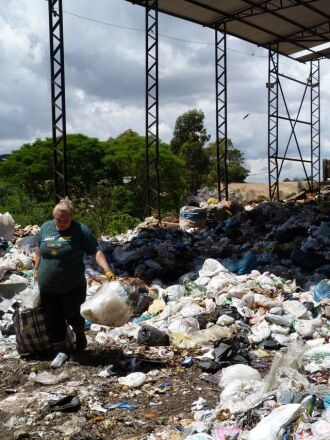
x,y
107,179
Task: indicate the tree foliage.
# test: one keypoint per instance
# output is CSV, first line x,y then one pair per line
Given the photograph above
x,y
189,128
124,161
189,138
235,160
107,180
32,166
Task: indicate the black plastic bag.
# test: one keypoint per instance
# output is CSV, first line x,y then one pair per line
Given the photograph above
x,y
151,336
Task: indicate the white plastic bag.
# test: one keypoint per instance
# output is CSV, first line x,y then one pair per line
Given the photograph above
x,y
260,332
133,380
238,371
30,297
306,328
174,293
211,268
240,395
109,306
294,308
186,326
7,226
270,426
192,309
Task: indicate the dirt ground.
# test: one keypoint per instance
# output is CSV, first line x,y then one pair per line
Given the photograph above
x,y
252,190
164,400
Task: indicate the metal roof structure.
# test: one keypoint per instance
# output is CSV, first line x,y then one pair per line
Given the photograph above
x,y
294,28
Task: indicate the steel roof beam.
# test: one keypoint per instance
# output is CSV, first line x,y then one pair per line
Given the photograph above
x,y
288,20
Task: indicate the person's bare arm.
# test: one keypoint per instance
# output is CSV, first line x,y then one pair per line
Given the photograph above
x,y
102,262
37,258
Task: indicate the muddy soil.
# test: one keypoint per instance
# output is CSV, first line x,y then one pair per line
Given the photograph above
x,y
164,400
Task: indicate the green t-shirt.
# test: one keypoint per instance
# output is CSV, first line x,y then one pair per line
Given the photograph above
x,y
61,265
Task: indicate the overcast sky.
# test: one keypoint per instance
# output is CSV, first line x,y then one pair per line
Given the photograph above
x,y
105,79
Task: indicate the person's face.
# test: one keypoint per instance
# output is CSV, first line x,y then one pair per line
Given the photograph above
x,y
62,220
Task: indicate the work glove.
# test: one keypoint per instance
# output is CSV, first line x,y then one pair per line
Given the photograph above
x,y
35,276
110,275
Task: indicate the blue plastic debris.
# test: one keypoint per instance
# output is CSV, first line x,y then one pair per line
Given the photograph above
x,y
187,362
326,402
121,405
322,290
242,266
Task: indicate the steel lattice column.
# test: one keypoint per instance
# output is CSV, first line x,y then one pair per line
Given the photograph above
x,y
58,97
152,109
315,125
221,112
272,85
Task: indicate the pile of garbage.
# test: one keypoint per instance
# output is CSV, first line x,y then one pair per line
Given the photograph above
x,y
241,292
290,240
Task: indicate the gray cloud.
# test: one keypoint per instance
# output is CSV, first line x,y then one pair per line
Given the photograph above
x,y
105,77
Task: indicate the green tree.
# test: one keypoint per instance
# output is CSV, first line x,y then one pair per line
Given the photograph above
x,y
235,159
32,166
189,138
124,163
189,127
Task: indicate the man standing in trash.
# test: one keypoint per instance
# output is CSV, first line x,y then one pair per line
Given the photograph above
x,y
60,272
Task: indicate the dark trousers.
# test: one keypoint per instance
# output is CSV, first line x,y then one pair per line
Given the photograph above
x,y
62,308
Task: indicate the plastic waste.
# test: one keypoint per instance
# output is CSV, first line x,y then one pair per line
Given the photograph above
x,y
260,332
109,306
192,217
225,433
322,290
45,378
211,268
174,293
239,371
289,378
202,337
68,403
326,401
30,297
321,430
133,380
192,309
186,326
120,405
264,301
270,426
225,320
244,265
240,395
3,244
294,308
306,328
7,226
151,336
199,436
124,257
28,243
285,321
318,356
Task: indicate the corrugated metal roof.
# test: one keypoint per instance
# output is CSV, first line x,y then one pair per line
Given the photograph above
x,y
291,26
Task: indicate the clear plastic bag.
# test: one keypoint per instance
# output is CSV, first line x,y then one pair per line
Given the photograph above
x,y
30,297
109,306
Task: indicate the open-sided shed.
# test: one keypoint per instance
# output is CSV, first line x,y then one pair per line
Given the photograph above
x,y
299,29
